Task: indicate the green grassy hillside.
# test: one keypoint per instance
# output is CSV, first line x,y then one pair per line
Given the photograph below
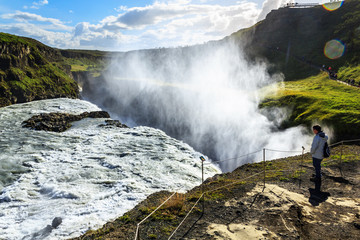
x,y
91,61
30,70
318,99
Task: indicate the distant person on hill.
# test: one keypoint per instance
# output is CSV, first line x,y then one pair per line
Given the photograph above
x,y
317,150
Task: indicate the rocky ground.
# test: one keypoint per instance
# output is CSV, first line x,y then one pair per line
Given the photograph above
x,y
237,206
60,122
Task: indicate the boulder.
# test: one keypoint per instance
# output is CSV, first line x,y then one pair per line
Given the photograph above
x,y
59,122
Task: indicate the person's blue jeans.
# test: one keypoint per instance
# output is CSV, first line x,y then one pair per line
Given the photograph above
x,y
317,166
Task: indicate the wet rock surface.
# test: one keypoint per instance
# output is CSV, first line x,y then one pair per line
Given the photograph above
x,y
60,122
113,123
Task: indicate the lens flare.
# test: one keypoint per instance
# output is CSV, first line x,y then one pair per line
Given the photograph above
x,y
334,49
332,6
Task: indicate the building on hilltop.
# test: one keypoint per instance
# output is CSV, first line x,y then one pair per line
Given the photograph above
x,y
306,5
300,5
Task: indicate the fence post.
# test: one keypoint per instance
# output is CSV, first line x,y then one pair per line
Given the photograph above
x,y
137,235
301,165
264,167
202,183
340,163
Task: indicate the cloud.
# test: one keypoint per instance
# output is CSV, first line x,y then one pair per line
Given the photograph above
x,y
25,16
204,27
19,16
121,9
38,4
200,23
162,24
172,17
141,17
269,5
49,37
171,24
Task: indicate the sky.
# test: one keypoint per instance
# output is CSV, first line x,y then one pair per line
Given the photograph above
x,y
123,25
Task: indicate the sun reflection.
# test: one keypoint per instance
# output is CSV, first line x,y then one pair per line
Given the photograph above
x,y
333,5
334,49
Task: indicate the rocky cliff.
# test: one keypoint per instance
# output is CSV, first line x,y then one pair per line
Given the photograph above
x,y
29,70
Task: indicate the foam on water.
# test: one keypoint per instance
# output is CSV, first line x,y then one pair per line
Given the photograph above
x,y
87,175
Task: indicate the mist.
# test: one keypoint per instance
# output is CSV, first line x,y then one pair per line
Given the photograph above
x,y
206,96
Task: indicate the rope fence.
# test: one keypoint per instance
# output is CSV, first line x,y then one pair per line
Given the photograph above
x,y
235,158
264,171
272,150
203,194
138,225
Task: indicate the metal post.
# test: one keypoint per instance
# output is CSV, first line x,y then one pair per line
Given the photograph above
x,y
202,182
137,234
301,165
264,167
202,169
341,153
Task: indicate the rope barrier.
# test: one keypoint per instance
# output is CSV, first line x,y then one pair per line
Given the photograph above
x,y
335,144
348,141
138,225
272,150
212,190
345,141
172,234
229,159
233,183
330,161
186,216
246,155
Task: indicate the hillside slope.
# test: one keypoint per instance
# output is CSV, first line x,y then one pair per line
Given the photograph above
x,y
30,70
318,99
237,206
293,39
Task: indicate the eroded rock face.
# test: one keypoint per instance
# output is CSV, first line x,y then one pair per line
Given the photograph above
x,y
60,122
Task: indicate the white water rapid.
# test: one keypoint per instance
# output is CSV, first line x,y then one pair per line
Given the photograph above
x,y
86,175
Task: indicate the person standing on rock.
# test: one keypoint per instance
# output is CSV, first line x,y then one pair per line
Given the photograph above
x,y
317,150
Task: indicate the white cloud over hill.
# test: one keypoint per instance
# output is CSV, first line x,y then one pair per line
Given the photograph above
x,y
161,24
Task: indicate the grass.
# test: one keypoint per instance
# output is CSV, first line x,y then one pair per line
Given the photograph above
x,y
93,65
349,72
318,99
32,70
9,38
78,68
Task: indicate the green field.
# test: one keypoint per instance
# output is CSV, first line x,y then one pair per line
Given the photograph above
x,y
318,99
